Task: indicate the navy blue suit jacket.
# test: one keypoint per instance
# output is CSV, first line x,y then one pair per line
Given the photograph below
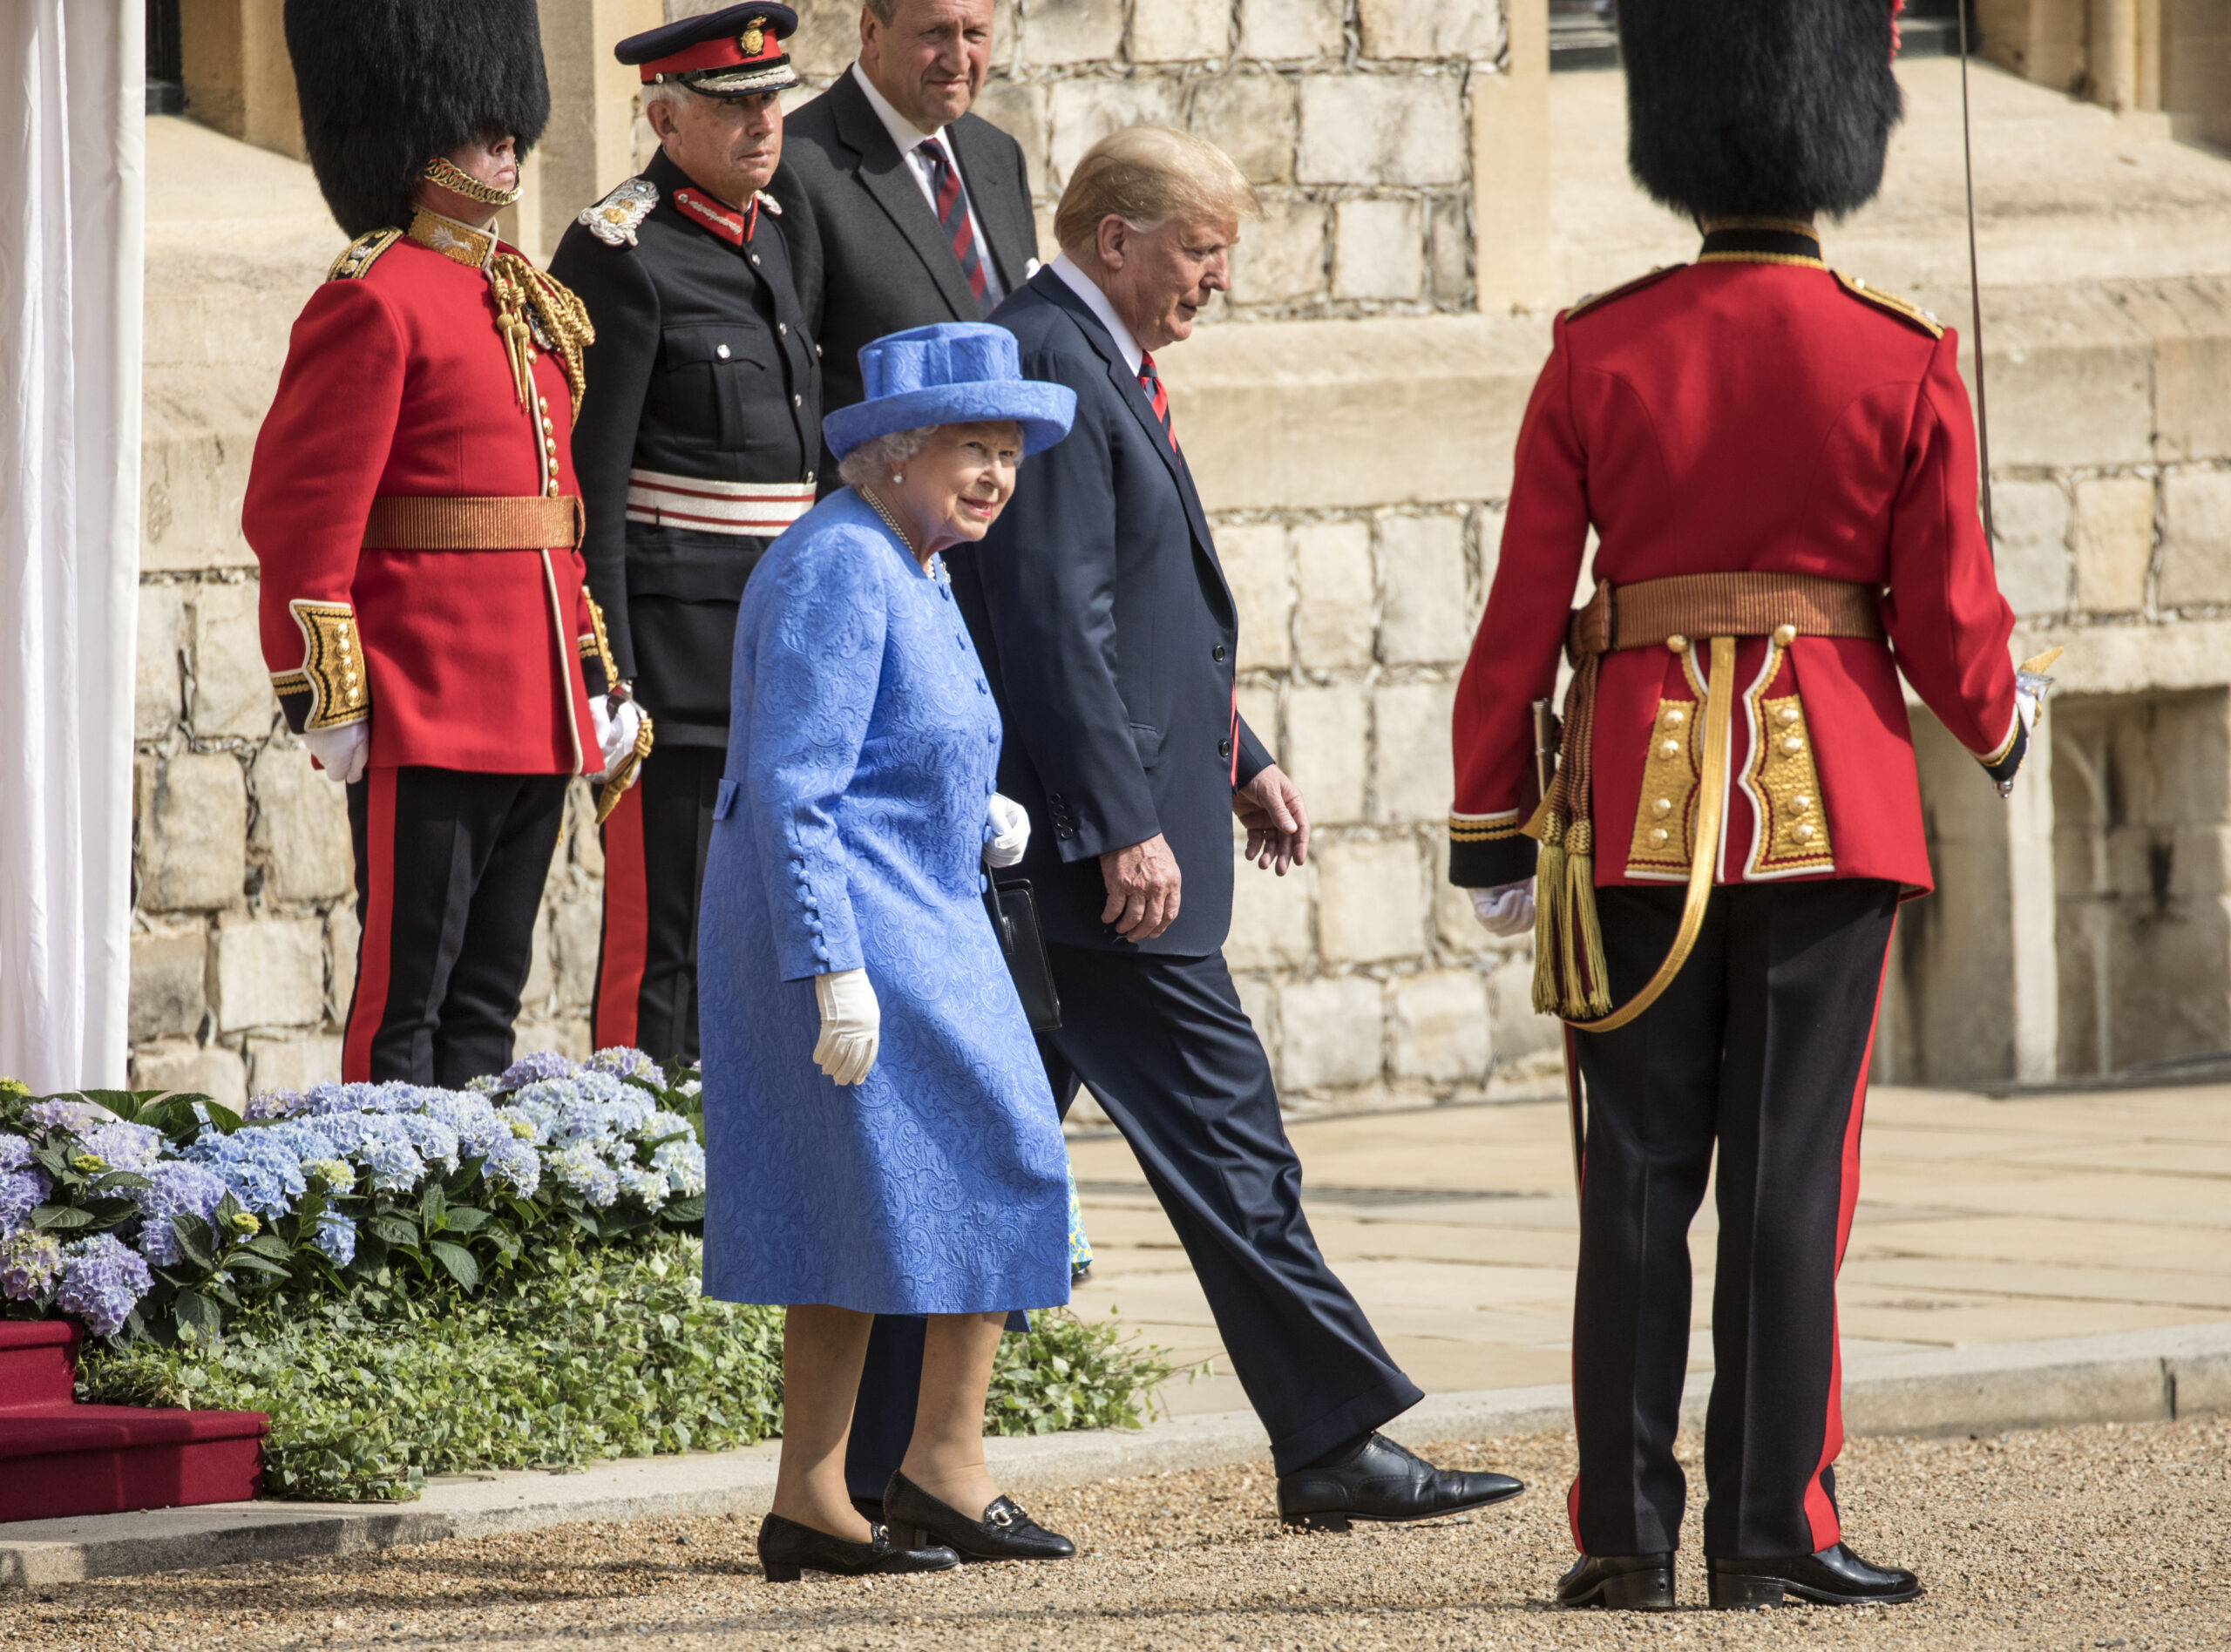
x,y
1110,639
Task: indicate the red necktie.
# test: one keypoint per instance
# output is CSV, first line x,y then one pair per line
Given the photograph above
x,y
953,213
1150,382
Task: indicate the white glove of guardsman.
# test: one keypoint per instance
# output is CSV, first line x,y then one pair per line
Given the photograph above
x,y
1010,824
852,1024
341,752
1506,910
615,731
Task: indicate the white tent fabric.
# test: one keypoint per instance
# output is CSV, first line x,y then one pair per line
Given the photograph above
x,y
73,129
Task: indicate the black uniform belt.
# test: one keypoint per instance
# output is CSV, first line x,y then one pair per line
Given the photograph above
x,y
437,522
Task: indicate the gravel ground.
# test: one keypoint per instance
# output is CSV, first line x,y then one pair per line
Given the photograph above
x,y
2095,1537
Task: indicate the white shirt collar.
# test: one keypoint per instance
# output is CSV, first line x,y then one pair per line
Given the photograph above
x,y
1095,301
906,136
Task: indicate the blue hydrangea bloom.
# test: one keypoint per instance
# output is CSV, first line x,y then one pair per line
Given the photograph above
x,y
682,1163
514,1164
21,1193
580,1168
273,1104
178,1189
529,1069
337,1236
473,1120
663,1124
125,1145
264,1173
646,1187
29,1262
436,1141
623,1061
103,1279
76,1116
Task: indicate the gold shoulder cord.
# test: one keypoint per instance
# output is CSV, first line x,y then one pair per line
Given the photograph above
x,y
528,301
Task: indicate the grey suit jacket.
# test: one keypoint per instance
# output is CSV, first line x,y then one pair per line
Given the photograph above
x,y
867,253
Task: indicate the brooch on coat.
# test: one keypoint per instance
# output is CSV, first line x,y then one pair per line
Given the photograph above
x,y
614,218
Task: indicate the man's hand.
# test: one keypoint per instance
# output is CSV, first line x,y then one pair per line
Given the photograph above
x,y
1269,806
1142,889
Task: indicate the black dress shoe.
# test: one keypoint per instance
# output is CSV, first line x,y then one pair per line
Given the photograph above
x,y
1619,1582
1380,1482
1833,1577
1005,1533
787,1548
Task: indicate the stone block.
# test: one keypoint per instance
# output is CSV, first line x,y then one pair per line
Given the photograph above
x,y
1018,110
2195,538
1270,916
294,1064
155,687
1059,31
1370,904
581,829
1258,1000
1378,249
1455,928
1280,258
1427,617
192,813
300,836
216,1071
1441,1027
1258,709
2071,377
2114,542
167,990
576,927
1328,748
1081,113
1332,624
269,972
538,996
1381,129
342,937
1176,31
1449,251
2189,321
1330,1031
1254,557
1415,776
1515,1034
1288,29
827,37
1441,28
2033,560
232,689
1253,118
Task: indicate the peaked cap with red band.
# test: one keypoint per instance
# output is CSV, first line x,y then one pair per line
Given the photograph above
x,y
734,52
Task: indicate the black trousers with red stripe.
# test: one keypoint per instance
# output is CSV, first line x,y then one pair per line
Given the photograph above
x,y
450,872
654,846
1760,1046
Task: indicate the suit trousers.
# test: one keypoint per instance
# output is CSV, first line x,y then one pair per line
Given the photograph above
x,y
1165,1048
450,872
1760,1047
654,846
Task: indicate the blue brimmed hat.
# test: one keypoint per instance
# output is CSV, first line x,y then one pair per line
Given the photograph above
x,y
953,373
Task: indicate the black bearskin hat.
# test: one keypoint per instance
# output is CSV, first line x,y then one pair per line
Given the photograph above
x,y
388,84
1759,108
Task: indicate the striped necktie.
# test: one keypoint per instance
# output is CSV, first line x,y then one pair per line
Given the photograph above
x,y
953,213
1150,382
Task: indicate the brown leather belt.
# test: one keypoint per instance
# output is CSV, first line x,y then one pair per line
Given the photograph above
x,y
1645,613
439,522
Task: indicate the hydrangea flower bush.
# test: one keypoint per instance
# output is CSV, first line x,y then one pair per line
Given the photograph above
x,y
161,1216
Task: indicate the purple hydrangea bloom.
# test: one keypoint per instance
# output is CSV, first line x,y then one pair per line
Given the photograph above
x,y
15,1152
533,1068
75,1116
624,1062
29,1262
125,1146
21,1193
181,1188
103,1279
273,1104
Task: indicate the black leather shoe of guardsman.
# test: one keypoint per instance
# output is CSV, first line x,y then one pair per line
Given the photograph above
x,y
1833,1577
1619,1582
1378,1480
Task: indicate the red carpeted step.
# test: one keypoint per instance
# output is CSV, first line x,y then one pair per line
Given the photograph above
x,y
38,1362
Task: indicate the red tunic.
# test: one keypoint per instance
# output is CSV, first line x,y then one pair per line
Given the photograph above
x,y
1742,414
397,383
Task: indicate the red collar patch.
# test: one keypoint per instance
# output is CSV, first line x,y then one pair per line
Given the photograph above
x,y
733,227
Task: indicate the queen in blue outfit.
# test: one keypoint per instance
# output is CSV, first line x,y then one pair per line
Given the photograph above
x,y
881,1135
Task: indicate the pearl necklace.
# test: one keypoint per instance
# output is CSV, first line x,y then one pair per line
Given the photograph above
x,y
935,567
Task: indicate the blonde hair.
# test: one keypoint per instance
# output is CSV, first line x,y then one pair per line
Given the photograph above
x,y
1147,175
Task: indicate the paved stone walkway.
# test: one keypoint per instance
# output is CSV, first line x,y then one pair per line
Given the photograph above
x,y
1979,1221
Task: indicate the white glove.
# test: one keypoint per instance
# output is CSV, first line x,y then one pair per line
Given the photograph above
x,y
1508,910
1010,824
343,752
852,1024
615,731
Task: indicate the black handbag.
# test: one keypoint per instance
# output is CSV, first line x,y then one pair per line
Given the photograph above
x,y
1014,920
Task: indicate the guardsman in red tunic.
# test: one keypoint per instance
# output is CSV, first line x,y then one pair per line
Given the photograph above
x,y
1779,463
413,509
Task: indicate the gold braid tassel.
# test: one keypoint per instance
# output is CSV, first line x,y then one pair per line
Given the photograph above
x,y
1548,883
1588,992
528,300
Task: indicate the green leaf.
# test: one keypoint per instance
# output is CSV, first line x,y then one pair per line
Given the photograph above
x,y
223,1117
193,1240
464,1219
689,1209
395,1230
270,1245
121,1179
123,1103
196,1314
246,1258
60,1218
459,1261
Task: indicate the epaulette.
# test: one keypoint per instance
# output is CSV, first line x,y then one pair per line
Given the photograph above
x,y
768,201
614,221
357,256
1594,301
1891,304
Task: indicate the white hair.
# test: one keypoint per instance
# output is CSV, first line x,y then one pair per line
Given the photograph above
x,y
876,458
665,91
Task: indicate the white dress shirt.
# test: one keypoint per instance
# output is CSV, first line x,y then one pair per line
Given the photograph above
x,y
1087,290
907,139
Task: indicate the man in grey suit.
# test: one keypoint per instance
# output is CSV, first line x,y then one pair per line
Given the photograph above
x,y
900,207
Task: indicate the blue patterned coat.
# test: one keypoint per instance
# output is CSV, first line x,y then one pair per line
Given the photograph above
x,y
862,750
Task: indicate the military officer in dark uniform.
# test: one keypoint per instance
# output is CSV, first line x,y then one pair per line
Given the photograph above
x,y
696,446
